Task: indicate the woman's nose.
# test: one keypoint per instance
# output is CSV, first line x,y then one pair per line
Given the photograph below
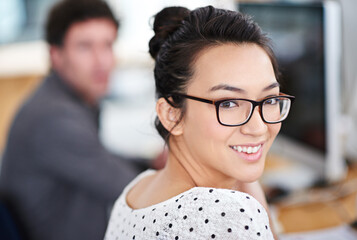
x,y
255,125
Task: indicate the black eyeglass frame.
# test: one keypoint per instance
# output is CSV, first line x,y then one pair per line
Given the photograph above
x,y
254,103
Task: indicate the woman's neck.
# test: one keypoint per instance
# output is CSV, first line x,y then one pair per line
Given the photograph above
x,y
181,166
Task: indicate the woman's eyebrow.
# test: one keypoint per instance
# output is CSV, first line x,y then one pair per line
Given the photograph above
x,y
226,87
271,86
236,89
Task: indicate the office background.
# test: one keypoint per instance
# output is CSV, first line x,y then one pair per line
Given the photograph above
x,y
129,108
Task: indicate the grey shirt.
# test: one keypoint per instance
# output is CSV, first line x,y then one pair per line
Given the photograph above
x,y
55,171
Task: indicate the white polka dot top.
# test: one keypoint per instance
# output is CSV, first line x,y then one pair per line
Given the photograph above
x,y
198,213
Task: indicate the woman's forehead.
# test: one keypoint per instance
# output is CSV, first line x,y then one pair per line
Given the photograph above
x,y
238,66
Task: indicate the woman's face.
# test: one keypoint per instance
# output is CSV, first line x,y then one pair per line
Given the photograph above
x,y
229,71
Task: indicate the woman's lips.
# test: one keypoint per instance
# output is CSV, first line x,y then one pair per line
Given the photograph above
x,y
249,152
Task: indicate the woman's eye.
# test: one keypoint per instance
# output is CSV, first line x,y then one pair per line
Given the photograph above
x,y
229,104
271,101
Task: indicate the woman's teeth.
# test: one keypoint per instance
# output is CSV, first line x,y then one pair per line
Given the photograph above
x,y
248,150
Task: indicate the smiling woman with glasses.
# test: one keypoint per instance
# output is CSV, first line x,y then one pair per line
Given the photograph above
x,y
219,110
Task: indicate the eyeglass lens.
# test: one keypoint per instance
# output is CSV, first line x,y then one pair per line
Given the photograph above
x,y
235,112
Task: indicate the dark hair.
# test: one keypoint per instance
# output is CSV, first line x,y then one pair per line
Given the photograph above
x,y
67,12
181,34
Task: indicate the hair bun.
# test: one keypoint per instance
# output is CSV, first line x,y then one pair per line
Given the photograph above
x,y
166,22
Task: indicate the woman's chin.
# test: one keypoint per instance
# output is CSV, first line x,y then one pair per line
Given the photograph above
x,y
250,175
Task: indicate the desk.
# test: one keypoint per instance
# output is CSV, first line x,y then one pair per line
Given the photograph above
x,y
340,209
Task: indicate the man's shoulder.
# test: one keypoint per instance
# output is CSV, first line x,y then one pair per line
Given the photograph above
x,y
48,103
50,93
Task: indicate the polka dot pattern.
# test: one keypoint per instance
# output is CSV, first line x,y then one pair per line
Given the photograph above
x,y
199,213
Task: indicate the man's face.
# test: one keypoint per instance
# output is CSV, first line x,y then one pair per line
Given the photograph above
x,y
86,57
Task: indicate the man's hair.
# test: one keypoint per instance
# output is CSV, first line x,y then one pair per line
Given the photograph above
x,y
67,12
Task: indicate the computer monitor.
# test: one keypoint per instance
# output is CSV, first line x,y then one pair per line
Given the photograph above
x,y
307,42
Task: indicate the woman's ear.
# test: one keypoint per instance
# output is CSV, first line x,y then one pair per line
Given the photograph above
x,y
169,117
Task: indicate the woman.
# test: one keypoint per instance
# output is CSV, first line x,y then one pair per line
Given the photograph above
x,y
219,109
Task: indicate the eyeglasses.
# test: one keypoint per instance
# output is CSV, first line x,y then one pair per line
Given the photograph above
x,y
237,111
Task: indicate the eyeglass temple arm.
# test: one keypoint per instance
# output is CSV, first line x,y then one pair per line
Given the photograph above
x,y
194,98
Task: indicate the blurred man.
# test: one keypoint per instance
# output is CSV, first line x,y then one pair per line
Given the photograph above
x,y
60,179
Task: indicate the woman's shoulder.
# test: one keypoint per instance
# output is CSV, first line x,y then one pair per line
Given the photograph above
x,y
222,201
222,213
198,213
219,195
226,202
